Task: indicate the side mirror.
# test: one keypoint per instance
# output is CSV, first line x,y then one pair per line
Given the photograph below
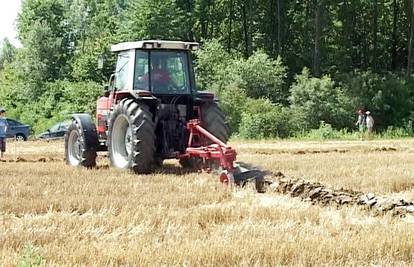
x,y
110,86
106,90
100,62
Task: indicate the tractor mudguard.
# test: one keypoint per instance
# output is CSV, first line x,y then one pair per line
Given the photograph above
x,y
202,97
88,129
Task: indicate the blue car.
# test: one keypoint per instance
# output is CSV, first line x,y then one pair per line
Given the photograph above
x,y
17,130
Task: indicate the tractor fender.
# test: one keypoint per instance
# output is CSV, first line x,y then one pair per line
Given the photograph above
x,y
88,129
205,97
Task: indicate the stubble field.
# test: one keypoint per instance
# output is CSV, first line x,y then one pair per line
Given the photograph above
x,y
61,216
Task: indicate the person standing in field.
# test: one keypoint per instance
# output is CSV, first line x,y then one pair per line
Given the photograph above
x,y
361,123
370,123
3,130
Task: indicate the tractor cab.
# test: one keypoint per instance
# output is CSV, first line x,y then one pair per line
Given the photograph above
x,y
156,67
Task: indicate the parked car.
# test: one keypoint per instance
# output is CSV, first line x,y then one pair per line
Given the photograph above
x,y
17,130
56,131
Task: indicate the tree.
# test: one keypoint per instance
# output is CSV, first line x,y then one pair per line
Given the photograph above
x,y
231,10
154,19
410,43
85,63
394,35
245,28
42,59
94,27
318,99
7,53
375,36
259,76
44,35
318,33
48,12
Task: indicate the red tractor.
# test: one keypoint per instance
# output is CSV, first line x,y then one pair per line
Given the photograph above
x,y
151,111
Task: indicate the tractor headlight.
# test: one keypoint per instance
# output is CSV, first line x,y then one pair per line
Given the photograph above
x,y
148,46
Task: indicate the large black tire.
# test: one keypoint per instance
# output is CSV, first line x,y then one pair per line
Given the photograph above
x,y
213,120
81,144
131,137
20,137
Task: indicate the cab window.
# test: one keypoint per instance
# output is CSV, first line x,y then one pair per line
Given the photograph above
x,y
121,73
162,72
141,69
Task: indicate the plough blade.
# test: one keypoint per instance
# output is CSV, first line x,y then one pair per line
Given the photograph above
x,y
242,175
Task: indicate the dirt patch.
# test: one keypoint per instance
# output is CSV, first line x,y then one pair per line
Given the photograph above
x,y
36,160
297,152
265,151
317,193
384,148
303,152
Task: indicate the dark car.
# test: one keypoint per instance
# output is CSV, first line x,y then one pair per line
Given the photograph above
x,y
56,131
17,130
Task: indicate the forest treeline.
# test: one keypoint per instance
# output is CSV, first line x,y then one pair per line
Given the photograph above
x,y
280,67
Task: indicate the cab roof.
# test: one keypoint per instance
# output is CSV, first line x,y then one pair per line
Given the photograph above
x,y
155,44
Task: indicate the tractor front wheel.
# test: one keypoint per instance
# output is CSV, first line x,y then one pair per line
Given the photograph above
x,y
78,148
131,138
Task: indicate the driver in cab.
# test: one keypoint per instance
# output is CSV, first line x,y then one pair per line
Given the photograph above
x,y
159,76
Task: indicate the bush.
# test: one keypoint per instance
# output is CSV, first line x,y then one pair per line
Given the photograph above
x,y
325,131
263,119
318,99
396,132
233,103
80,97
211,64
260,76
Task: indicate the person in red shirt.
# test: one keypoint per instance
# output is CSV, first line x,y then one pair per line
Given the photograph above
x,y
159,76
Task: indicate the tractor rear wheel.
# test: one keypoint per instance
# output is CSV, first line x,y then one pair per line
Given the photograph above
x,y
131,137
77,150
213,120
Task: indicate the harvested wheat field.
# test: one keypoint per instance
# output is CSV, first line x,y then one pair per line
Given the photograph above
x,y
55,215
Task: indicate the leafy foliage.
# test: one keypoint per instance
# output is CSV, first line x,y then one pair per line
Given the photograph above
x,y
212,62
254,54
233,103
389,96
7,53
260,76
85,63
263,119
320,100
153,19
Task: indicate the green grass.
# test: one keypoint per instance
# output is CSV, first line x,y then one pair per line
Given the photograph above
x,y
30,257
